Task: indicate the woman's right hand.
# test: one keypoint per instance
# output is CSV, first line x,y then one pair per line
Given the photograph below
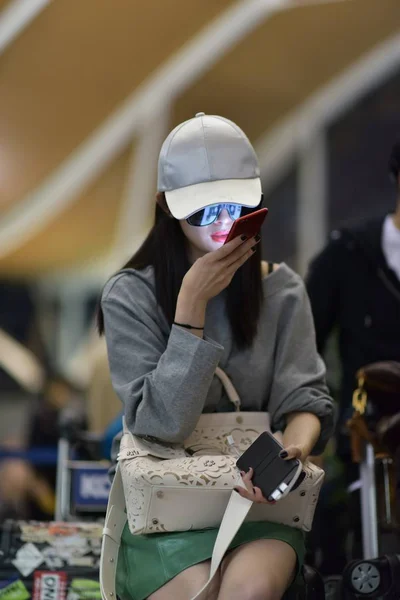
x,y
214,271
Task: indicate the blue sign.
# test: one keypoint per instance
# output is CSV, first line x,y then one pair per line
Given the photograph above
x,y
90,488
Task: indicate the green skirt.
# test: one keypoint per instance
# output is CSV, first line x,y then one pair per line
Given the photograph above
x,y
147,562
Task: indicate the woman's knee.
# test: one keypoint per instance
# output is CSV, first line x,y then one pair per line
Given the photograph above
x,y
255,589
187,583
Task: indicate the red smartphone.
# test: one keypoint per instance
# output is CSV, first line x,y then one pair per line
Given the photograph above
x,y
248,225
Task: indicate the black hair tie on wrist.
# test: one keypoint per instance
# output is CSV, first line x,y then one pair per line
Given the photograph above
x,y
187,326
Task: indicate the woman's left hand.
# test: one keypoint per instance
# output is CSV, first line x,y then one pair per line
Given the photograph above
x,y
250,492
254,493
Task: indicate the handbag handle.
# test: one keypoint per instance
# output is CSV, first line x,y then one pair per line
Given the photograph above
x,y
229,388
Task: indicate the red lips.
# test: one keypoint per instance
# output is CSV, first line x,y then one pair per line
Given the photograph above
x,y
219,236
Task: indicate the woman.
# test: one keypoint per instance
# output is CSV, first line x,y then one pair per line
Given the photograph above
x,y
186,303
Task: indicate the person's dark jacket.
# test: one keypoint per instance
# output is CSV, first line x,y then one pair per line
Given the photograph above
x,y
352,288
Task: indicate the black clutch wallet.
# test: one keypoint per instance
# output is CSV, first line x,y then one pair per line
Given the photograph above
x,y
272,474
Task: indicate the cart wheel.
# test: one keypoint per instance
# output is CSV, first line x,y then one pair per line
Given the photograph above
x,y
365,578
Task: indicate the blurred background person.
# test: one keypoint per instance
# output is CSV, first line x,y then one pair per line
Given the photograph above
x,y
354,289
27,487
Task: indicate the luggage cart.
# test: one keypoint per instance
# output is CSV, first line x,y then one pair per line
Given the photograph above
x,y
376,464
374,485
369,505
83,483
63,560
377,573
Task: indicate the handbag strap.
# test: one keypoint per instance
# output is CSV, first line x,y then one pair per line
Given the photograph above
x,y
234,516
112,532
235,513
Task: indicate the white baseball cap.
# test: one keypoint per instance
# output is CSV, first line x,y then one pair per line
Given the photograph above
x,y
208,160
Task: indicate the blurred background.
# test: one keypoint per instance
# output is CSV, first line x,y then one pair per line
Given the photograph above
x,y
88,91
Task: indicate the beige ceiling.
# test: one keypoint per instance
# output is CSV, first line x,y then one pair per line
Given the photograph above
x,y
3,3
68,71
72,66
286,59
81,234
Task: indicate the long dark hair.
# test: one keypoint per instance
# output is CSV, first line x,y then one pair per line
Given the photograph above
x,y
165,250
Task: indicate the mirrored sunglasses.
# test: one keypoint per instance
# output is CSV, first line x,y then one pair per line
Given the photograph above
x,y
208,215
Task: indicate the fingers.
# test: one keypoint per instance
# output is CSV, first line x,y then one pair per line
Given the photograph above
x,y
290,452
240,256
228,248
232,251
249,491
232,268
242,252
246,478
255,495
245,493
258,495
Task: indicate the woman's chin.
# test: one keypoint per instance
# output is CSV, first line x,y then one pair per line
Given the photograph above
x,y
205,247
217,242
211,245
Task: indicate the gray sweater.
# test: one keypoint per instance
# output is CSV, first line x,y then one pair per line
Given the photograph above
x,y
165,377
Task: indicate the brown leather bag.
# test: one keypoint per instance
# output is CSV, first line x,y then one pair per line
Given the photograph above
x,y
388,431
381,382
379,391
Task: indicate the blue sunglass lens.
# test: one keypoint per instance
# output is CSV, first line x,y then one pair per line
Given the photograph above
x,y
209,214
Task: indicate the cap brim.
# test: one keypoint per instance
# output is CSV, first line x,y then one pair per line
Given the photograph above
x,y
187,200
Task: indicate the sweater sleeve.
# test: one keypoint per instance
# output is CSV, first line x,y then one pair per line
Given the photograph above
x,y
162,381
299,372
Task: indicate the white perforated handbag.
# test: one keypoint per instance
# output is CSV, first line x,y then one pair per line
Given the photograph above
x,y
166,488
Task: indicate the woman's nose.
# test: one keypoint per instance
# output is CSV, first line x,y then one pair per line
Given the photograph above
x,y
224,217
